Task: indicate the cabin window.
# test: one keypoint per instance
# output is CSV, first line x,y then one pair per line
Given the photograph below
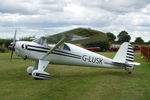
x,y
66,47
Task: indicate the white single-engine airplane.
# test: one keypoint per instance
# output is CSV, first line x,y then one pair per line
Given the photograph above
x,y
69,54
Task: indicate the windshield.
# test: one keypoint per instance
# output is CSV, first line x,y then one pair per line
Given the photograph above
x,y
41,41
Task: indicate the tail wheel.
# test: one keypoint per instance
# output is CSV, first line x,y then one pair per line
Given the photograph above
x,y
129,71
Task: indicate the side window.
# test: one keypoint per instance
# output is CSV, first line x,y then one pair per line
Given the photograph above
x,y
66,47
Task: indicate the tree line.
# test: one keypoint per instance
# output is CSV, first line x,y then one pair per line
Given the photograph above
x,y
4,43
123,36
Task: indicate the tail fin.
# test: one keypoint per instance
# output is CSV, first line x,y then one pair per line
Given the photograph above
x,y
125,55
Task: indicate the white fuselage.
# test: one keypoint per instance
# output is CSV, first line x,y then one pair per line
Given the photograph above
x,y
70,55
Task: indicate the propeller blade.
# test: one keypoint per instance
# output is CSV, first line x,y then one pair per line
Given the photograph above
x,y
11,54
14,39
13,45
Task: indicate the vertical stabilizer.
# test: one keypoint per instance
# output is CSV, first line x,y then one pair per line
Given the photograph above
x,y
125,53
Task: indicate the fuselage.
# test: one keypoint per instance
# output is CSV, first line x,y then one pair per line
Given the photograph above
x,y
67,54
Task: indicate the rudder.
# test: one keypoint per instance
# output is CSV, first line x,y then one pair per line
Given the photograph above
x,y
125,53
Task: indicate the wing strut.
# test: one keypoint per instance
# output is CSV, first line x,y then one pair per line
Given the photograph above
x,y
56,46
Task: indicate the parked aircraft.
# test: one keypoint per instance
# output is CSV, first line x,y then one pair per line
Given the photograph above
x,y
69,54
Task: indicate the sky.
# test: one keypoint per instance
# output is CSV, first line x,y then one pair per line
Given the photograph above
x,y
47,17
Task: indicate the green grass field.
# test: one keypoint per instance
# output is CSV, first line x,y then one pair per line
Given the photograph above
x,y
73,83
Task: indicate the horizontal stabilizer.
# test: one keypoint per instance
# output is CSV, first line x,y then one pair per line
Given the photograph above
x,y
133,63
127,63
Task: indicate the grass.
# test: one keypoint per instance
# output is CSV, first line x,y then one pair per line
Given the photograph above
x,y
73,83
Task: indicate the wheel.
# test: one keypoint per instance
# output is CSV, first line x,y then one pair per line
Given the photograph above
x,y
38,78
30,70
29,73
40,75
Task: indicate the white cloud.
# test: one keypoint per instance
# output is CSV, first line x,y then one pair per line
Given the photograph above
x,y
146,10
43,17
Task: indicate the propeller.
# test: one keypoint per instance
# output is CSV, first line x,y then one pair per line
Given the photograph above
x,y
13,45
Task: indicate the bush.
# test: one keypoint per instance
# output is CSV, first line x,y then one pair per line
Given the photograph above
x,y
3,50
104,45
5,42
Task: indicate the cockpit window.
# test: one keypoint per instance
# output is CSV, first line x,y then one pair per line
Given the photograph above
x,y
41,41
66,47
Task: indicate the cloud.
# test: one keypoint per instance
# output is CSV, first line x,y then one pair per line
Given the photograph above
x,y
116,6
43,17
18,6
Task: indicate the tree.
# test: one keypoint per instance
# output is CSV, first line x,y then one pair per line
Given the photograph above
x,y
139,40
149,42
5,42
123,37
30,38
111,37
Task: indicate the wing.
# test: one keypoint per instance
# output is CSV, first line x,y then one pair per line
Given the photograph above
x,y
69,38
79,35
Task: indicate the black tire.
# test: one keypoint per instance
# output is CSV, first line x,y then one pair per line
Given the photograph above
x,y
38,78
30,74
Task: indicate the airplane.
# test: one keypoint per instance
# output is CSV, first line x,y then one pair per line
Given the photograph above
x,y
69,54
